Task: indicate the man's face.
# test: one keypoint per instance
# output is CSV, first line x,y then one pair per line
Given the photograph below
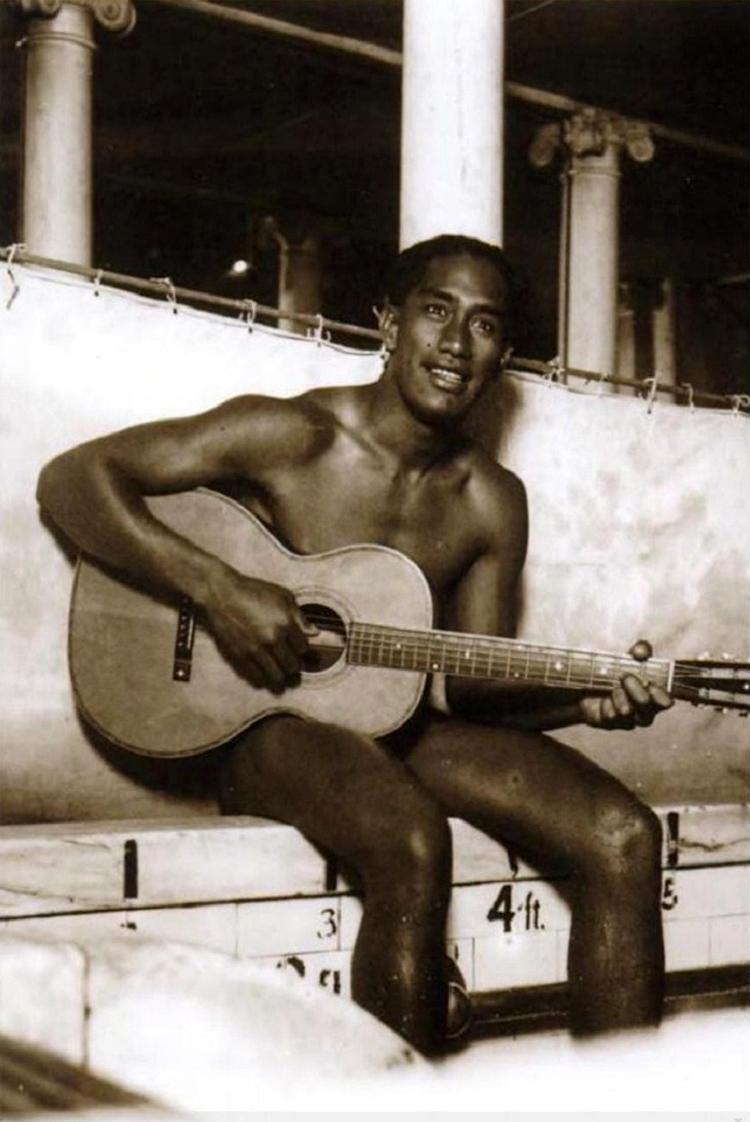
x,y
446,340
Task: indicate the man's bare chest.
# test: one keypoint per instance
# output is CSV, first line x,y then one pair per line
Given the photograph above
x,y
313,511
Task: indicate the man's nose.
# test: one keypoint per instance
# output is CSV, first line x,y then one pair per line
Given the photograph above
x,y
456,338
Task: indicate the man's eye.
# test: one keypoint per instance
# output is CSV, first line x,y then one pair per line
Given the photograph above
x,y
435,310
485,326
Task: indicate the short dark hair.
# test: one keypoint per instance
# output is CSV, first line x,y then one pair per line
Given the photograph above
x,y
410,266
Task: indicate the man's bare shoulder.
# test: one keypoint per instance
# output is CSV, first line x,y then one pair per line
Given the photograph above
x,y
490,481
302,426
497,497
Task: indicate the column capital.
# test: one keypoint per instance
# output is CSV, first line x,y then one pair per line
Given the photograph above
x,y
591,132
118,16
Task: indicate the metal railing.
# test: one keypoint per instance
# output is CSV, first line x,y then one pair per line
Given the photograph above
x,y
321,327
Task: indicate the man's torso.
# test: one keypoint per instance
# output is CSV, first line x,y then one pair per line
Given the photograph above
x,y
347,491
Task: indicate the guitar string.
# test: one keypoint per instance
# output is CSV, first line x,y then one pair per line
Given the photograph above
x,y
592,681
404,644
482,663
596,682
379,633
488,647
414,642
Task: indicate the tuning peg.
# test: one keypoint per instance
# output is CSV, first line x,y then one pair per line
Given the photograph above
x,y
641,650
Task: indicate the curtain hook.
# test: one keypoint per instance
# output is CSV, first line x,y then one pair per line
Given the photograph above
x,y
555,371
250,311
601,378
317,331
687,386
171,290
653,385
14,249
15,286
383,355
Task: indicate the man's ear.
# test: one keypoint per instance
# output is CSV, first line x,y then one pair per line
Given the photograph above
x,y
388,324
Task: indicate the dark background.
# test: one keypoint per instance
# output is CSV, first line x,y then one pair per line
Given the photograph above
x,y
203,128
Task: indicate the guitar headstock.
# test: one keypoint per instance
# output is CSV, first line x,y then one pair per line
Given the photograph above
x,y
720,683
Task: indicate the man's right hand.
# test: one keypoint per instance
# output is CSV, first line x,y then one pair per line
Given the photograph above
x,y
260,629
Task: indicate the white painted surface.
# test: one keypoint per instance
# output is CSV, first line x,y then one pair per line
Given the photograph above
x,y
57,181
639,526
593,267
452,120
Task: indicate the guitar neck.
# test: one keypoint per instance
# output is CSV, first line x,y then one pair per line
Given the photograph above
x,y
483,656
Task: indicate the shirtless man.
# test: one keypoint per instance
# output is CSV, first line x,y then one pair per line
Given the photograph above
x,y
389,463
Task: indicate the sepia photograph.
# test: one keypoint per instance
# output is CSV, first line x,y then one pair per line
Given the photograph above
x,y
374,558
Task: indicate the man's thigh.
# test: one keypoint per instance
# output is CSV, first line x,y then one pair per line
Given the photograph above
x,y
341,789
524,788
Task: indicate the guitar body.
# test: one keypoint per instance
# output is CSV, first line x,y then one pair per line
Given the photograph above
x,y
126,660
153,681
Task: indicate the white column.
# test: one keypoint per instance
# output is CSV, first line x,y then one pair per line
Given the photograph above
x,y
591,142
57,166
593,261
300,273
664,334
452,119
299,281
627,366
57,180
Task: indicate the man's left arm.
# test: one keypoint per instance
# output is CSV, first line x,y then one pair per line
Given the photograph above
x,y
631,704
484,603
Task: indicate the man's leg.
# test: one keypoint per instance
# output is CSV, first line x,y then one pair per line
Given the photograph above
x,y
551,802
349,795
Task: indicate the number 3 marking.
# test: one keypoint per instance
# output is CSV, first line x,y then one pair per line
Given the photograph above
x,y
328,927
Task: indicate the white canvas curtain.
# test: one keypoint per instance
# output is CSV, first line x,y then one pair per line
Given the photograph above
x,y
640,522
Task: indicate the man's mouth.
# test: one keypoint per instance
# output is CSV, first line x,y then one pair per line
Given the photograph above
x,y
445,378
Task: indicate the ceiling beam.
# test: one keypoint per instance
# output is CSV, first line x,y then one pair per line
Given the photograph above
x,y
372,52
257,22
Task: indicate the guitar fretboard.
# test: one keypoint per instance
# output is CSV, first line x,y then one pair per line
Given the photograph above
x,y
479,656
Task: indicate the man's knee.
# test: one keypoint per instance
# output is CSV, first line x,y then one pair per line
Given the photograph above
x,y
414,845
627,838
426,841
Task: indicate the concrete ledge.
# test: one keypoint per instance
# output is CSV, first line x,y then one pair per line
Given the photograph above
x,y
96,866
257,890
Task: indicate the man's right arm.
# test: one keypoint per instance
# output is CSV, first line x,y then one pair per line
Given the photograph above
x,y
95,495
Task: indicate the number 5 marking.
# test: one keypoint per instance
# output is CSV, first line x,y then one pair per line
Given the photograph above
x,y
669,897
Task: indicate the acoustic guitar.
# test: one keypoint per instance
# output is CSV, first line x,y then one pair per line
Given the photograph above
x,y
149,677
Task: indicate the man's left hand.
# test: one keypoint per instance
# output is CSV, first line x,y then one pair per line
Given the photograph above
x,y
631,704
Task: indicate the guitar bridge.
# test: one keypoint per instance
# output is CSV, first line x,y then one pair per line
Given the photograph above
x,y
183,644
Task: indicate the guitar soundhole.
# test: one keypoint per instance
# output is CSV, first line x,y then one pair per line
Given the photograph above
x,y
330,644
